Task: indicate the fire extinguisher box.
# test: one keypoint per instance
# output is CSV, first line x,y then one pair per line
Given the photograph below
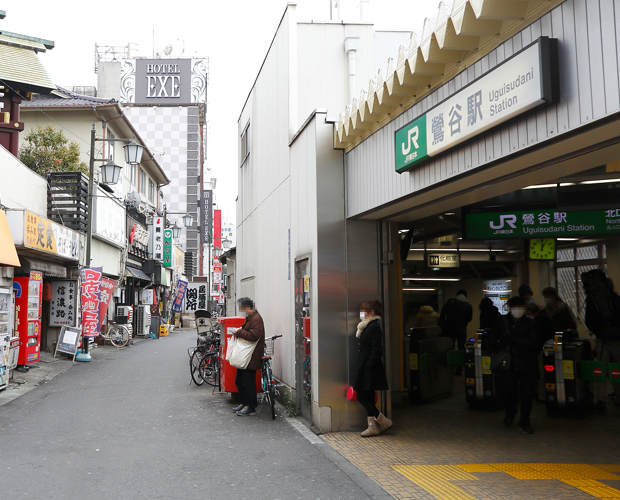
x,y
227,372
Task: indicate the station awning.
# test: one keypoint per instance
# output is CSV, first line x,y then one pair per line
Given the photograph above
x,y
138,273
8,254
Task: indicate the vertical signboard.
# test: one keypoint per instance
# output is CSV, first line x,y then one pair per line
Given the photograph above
x,y
217,228
178,300
107,288
63,304
206,215
196,297
90,286
157,238
167,260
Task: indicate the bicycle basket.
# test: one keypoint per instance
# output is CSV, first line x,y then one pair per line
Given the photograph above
x,y
269,345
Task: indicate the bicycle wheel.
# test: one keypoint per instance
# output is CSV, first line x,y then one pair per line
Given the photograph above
x,y
210,369
119,336
194,367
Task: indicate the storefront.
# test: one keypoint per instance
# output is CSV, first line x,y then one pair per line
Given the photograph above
x,y
507,172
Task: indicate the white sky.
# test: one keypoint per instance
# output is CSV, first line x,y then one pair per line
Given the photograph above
x,y
235,35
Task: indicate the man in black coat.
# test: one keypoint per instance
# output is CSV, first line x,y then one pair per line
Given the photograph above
x,y
521,338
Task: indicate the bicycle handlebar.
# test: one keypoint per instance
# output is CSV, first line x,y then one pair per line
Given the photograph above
x,y
274,337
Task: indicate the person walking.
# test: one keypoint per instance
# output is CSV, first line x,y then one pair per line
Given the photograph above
x,y
253,330
370,374
426,317
558,311
520,337
489,313
456,313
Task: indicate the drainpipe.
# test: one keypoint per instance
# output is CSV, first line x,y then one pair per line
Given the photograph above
x,y
351,44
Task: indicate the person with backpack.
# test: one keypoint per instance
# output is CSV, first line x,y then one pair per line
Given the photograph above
x,y
456,313
603,320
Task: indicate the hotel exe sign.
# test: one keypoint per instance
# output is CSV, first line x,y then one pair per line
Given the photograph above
x,y
523,82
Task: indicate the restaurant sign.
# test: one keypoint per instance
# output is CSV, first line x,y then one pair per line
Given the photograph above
x,y
167,248
548,223
523,82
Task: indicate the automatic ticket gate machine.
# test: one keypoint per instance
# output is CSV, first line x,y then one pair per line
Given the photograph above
x,y
431,376
482,386
564,391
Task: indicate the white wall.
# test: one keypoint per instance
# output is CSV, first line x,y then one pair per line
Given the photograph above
x,y
21,188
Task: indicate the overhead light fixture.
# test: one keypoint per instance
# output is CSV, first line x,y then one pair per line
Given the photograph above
x,y
567,239
454,250
419,289
449,213
600,181
540,186
431,279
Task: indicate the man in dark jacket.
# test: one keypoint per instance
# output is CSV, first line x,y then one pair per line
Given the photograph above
x,y
521,337
456,313
252,330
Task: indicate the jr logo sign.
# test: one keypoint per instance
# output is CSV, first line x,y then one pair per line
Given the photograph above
x,y
504,219
411,144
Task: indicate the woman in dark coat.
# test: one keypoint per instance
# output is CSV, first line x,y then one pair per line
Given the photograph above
x,y
489,313
370,373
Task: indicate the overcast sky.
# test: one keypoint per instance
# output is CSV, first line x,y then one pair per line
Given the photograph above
x,y
234,35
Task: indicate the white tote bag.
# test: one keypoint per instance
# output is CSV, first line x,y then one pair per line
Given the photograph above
x,y
241,353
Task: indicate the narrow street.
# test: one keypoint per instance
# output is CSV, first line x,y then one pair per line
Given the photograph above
x,y
129,425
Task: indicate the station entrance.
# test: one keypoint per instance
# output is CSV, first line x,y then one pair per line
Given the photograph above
x,y
466,251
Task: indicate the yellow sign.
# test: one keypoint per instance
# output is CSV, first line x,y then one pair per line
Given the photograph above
x,y
39,233
486,365
550,387
470,381
306,283
413,361
569,371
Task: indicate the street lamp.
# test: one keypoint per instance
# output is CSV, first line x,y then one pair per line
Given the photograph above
x,y
217,252
188,220
109,173
176,231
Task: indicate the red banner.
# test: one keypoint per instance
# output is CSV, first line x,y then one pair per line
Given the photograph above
x,y
217,228
90,288
107,287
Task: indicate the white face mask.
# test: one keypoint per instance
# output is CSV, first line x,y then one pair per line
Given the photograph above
x,y
362,315
517,312
243,314
549,300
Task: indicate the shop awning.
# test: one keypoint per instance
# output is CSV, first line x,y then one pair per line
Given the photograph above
x,y
8,254
138,273
47,268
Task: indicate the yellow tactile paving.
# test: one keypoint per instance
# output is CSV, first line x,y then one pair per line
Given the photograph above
x,y
477,468
609,468
578,471
436,480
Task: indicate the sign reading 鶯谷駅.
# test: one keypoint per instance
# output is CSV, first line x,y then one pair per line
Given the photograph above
x,y
549,223
521,83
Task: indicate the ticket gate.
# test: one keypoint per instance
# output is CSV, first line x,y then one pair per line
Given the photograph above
x,y
564,390
482,387
430,376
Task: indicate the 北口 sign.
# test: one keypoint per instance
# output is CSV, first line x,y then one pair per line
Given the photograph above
x,y
549,223
163,81
443,260
63,303
519,84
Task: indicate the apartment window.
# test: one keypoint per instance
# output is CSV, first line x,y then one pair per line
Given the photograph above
x,y
245,144
143,182
151,191
131,172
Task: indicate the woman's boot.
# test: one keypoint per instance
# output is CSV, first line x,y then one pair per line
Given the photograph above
x,y
373,428
383,422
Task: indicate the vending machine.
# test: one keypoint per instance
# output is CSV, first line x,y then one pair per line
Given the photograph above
x,y
28,297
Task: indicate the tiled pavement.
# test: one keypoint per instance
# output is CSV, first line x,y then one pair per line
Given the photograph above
x,y
445,451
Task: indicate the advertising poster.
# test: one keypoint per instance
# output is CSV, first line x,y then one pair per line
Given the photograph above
x,y
90,288
178,300
107,288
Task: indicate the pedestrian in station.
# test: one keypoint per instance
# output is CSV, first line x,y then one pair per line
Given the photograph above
x,y
370,374
519,336
526,293
603,320
489,313
456,313
252,330
426,317
558,311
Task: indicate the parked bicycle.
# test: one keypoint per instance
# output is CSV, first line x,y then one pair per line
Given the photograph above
x,y
270,387
204,361
117,335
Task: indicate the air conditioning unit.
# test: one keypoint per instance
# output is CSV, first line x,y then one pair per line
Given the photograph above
x,y
143,324
134,199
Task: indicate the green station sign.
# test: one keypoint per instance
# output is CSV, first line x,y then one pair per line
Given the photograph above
x,y
550,223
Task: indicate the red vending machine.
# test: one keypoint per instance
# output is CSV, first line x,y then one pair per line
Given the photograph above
x,y
227,372
28,296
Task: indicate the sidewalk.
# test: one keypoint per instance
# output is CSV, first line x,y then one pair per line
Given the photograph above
x,y
445,451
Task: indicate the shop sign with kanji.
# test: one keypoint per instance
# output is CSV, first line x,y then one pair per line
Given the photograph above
x,y
64,302
157,238
196,297
167,255
522,82
178,300
90,287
